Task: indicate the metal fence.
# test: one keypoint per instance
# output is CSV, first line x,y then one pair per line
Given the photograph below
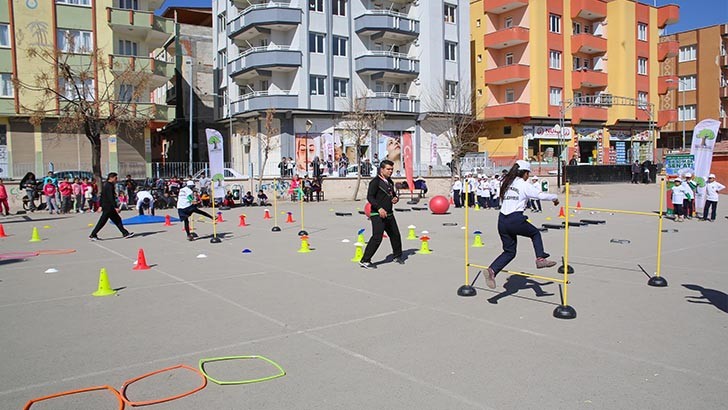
x,y
180,169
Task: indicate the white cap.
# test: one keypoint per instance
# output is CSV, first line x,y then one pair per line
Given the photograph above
x,y
711,176
678,180
190,183
534,177
524,165
688,175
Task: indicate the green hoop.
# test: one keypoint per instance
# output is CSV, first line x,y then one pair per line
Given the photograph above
x,y
280,373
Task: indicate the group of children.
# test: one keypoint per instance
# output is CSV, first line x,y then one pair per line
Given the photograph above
x,y
482,190
683,195
67,196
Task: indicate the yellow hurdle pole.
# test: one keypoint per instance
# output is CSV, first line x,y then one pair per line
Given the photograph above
x,y
524,274
659,229
566,249
214,216
301,200
619,211
467,229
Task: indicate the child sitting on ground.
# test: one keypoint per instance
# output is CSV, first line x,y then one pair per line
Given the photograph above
x,y
228,201
262,198
248,199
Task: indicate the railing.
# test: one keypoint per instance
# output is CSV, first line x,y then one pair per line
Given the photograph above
x,y
180,169
265,6
264,94
392,95
388,13
271,47
389,54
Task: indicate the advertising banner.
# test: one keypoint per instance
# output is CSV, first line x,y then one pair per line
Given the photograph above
x,y
704,138
216,154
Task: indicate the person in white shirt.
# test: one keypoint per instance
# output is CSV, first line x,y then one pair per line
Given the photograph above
x,y
187,206
483,192
494,192
515,193
711,197
679,193
472,188
457,191
145,200
535,204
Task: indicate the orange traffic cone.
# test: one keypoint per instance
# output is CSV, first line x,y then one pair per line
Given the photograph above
x,y
219,218
452,201
578,204
2,232
561,213
290,220
242,220
141,261
266,215
167,220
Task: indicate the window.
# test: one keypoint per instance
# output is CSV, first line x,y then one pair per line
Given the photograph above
x,y
642,66
480,92
507,130
6,85
316,5
450,12
451,51
554,23
477,23
587,29
317,85
480,58
555,59
341,87
221,59
75,2
687,83
4,35
221,22
75,41
451,90
555,96
688,53
85,88
338,7
576,28
509,58
129,4
508,22
126,92
510,95
642,99
264,85
686,112
642,31
316,43
127,48
339,46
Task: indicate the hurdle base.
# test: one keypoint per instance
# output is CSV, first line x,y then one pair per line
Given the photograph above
x,y
467,291
302,232
194,235
570,270
215,239
276,229
657,281
564,312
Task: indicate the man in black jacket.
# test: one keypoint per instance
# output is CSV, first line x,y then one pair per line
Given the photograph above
x,y
108,208
382,196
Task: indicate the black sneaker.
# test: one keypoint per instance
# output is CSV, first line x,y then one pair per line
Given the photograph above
x,y
367,265
399,260
190,238
94,238
129,235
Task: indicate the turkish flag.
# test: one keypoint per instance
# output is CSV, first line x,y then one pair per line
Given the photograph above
x,y
407,157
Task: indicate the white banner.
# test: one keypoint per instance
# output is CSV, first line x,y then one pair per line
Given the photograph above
x,y
216,154
704,138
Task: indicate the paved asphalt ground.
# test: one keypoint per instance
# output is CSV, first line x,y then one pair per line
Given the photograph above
x,y
397,337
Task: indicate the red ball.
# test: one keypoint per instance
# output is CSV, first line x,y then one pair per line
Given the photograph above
x,y
439,205
367,209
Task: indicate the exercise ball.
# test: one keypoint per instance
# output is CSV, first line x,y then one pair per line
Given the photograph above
x,y
367,209
439,205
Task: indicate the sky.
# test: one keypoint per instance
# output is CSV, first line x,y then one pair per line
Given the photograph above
x,y
693,13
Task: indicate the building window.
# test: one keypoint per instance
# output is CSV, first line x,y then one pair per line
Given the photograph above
x,y
123,4
451,51
77,2
687,83
127,48
508,22
6,85
555,59
75,41
686,112
341,87
688,53
554,23
642,66
477,23
316,43
642,31
509,59
338,7
576,28
317,85
316,5
339,46
4,35
507,130
126,93
642,99
221,22
510,95
555,96
480,58
85,88
221,59
480,92
450,12
451,90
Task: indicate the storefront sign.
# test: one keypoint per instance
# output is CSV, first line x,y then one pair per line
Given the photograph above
x,y
531,132
679,164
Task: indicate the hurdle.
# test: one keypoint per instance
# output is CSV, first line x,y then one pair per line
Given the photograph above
x,y
657,280
563,311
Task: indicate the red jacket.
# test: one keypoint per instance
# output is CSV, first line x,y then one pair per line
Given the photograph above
x,y
65,188
49,190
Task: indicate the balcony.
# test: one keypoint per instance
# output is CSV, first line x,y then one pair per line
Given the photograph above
x,y
143,26
159,71
502,6
507,74
262,61
581,114
724,61
147,111
7,105
668,14
263,100
508,110
507,37
393,102
381,64
666,82
387,25
667,49
588,44
262,18
724,93
588,79
589,9
665,117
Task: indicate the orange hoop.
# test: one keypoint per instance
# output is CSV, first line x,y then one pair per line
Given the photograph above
x,y
72,392
55,251
170,398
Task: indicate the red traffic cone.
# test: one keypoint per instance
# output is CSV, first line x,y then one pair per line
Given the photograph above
x,y
578,204
452,201
290,220
242,220
141,261
561,213
219,217
2,232
266,215
167,220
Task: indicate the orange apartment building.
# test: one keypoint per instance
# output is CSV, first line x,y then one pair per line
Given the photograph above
x,y
529,55
699,63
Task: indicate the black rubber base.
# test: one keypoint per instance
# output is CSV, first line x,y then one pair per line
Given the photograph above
x,y
570,270
657,281
564,312
402,210
466,291
343,213
302,232
276,229
194,235
575,224
552,226
593,221
215,239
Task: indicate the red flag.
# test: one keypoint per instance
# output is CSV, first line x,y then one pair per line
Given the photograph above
x,y
407,157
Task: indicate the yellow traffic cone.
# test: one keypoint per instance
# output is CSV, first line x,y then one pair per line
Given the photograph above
x,y
35,237
424,248
104,287
411,236
304,245
477,241
360,237
477,207
359,253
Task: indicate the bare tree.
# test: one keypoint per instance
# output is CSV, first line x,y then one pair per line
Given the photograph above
x,y
358,123
84,93
267,140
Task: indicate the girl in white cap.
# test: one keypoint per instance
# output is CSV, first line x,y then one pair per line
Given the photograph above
x,y
690,189
711,197
515,193
678,199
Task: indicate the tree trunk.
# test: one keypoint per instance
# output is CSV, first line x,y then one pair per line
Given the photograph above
x,y
358,174
262,168
96,157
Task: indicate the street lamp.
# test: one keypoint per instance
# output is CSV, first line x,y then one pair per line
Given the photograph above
x,y
683,84
558,129
309,124
189,62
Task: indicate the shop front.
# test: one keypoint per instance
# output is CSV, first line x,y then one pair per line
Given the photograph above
x,y
588,145
541,144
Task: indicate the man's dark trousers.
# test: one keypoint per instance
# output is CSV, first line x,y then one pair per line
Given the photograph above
x,y
115,218
379,226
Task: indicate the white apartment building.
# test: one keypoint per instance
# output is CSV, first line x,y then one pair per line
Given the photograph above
x,y
311,59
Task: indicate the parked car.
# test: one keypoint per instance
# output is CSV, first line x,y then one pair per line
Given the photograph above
x,y
228,173
73,174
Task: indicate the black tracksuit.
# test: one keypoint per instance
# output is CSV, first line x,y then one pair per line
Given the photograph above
x,y
108,210
379,195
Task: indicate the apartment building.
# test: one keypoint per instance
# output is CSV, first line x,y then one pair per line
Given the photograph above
x,y
314,61
698,64
532,55
126,32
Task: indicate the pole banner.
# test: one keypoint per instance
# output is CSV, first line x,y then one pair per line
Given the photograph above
x,y
216,154
704,138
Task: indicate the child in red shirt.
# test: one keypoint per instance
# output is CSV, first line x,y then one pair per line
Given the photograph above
x,y
49,190
4,198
